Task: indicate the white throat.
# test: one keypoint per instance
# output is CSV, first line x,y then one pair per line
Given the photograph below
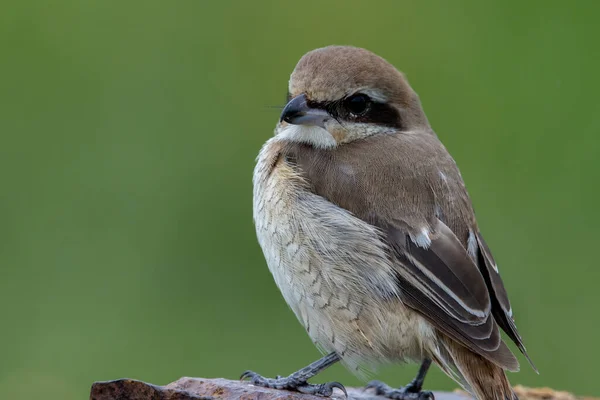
x,y
313,135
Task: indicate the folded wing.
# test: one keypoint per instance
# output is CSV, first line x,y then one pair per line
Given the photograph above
x,y
443,283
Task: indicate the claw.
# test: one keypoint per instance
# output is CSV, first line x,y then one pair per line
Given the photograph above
x,y
246,374
338,385
426,396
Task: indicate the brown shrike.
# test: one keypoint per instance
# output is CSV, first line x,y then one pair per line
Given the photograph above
x,y
369,232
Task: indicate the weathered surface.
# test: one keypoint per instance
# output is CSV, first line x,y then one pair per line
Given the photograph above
x,y
204,389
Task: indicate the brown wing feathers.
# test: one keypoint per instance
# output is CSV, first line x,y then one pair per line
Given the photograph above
x,y
456,300
501,308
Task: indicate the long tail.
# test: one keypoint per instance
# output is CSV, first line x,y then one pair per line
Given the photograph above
x,y
482,378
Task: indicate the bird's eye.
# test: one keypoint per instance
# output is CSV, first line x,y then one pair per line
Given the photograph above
x,y
358,104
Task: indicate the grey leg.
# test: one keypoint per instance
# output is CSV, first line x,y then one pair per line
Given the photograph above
x,y
412,391
298,380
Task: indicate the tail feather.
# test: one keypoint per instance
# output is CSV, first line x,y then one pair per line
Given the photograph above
x,y
479,376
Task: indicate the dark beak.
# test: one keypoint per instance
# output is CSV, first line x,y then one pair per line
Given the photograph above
x,y
298,112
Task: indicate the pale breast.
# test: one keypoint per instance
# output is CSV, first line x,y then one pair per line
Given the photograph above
x,y
331,268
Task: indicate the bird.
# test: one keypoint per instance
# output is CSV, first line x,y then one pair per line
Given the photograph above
x,y
369,232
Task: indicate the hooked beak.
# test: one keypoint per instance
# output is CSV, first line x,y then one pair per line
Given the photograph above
x,y
298,112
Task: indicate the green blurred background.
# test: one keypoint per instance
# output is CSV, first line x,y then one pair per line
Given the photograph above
x,y
129,132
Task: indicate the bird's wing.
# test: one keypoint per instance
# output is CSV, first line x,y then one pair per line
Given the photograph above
x,y
501,309
443,283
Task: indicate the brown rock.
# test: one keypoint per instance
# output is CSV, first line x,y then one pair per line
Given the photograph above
x,y
204,389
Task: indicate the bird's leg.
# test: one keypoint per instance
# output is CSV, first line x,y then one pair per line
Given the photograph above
x,y
298,381
412,391
417,384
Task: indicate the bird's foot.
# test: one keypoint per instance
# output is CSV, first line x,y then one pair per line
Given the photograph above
x,y
293,383
412,391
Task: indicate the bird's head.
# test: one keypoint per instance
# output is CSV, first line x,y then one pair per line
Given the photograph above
x,y
339,94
